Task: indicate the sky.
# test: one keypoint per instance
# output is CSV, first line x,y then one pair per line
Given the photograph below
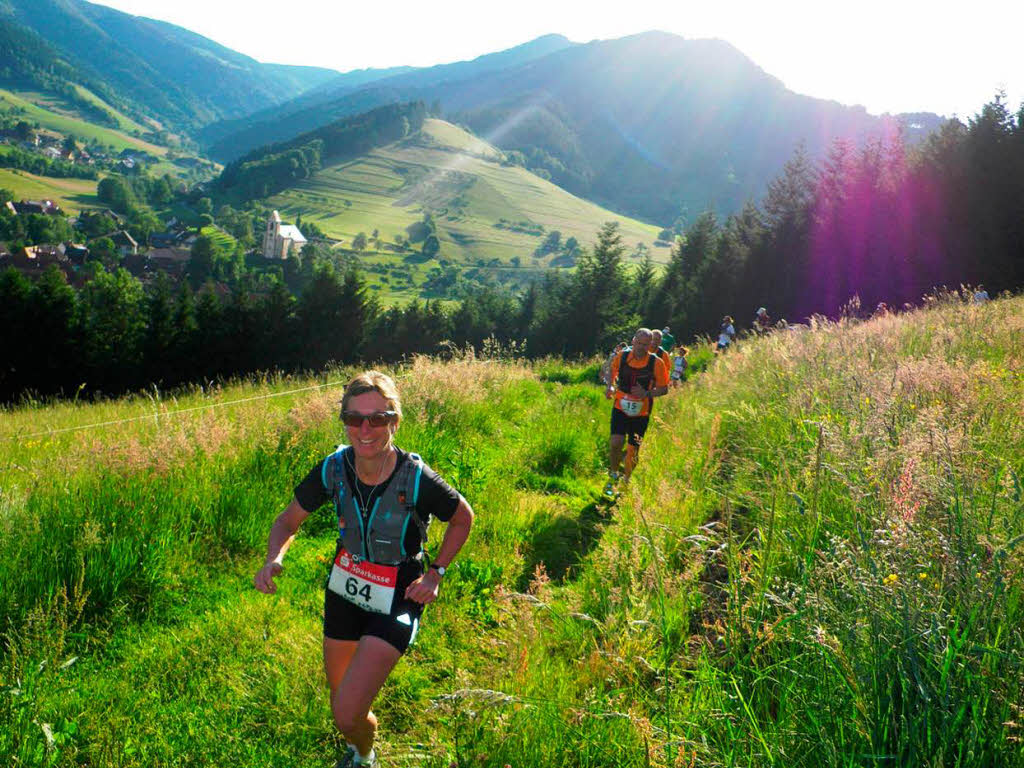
x,y
894,56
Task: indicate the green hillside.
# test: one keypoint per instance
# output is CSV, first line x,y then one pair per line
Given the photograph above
x,y
73,195
820,562
158,71
486,213
56,115
52,114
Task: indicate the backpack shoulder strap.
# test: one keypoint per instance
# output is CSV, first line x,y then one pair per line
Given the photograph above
x,y
623,365
332,474
409,495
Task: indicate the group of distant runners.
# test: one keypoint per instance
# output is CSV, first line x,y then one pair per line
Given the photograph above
x,y
384,499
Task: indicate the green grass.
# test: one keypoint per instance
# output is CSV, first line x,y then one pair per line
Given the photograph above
x,y
73,195
220,238
54,114
818,562
66,123
460,180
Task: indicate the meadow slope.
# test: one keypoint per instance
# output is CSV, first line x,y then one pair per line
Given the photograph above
x,y
819,562
486,213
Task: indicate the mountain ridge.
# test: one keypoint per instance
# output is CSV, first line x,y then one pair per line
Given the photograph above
x,y
696,121
168,73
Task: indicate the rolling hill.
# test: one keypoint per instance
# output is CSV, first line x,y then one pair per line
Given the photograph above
x,y
55,114
324,104
487,213
649,125
164,74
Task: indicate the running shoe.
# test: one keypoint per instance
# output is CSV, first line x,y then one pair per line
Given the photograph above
x,y
609,488
348,760
371,763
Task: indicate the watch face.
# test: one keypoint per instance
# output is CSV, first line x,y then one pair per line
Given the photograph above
x,y
439,568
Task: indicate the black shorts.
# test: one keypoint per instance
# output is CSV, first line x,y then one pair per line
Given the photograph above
x,y
345,621
633,427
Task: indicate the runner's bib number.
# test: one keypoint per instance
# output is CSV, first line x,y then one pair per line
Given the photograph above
x,y
365,584
631,407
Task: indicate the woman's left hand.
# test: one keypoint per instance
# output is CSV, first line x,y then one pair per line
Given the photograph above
x,y
424,589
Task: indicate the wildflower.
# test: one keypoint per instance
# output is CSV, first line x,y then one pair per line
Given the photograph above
x,y
867,401
922,576
892,578
977,575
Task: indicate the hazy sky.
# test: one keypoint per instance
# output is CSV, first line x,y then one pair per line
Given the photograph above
x,y
892,56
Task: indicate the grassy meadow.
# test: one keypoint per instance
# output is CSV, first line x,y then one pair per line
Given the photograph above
x,y
818,563
73,195
54,114
50,113
460,179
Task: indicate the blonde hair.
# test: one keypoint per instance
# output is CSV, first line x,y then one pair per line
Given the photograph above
x,y
373,381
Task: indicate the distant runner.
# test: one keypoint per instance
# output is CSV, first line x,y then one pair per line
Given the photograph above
x,y
637,378
668,341
661,350
605,374
726,332
679,365
762,321
384,499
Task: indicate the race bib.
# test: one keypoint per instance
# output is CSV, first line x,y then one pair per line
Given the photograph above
x,y
365,584
631,407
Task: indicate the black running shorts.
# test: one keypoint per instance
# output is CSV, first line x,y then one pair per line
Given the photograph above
x,y
633,427
345,621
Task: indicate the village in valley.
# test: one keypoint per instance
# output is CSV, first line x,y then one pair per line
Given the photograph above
x,y
167,251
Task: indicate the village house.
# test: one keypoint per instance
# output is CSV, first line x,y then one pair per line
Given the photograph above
x,y
170,260
279,240
25,207
137,264
76,254
33,260
166,239
125,243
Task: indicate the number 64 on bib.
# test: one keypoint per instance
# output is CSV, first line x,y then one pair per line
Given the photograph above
x,y
367,585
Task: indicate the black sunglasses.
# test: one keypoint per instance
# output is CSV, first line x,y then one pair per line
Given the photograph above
x,y
377,418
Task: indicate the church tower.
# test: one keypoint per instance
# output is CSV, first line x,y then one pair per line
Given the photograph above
x,y
271,236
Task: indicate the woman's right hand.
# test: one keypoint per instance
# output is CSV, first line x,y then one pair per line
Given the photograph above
x,y
264,579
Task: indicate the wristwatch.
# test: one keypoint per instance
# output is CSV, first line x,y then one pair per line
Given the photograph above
x,y
439,568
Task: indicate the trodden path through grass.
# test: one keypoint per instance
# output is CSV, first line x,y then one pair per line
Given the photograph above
x,y
819,562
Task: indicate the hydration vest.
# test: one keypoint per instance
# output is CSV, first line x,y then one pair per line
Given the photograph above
x,y
376,534
628,375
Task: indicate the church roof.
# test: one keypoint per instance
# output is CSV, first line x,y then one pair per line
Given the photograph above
x,y
291,232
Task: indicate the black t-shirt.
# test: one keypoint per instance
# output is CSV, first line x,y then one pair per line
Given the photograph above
x,y
436,498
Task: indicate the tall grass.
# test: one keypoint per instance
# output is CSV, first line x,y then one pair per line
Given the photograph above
x,y
818,562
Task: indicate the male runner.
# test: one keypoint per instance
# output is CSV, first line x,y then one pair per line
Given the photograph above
x,y
637,378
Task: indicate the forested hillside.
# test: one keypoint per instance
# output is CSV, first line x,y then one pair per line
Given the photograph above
x,y
271,169
886,223
153,69
326,104
652,125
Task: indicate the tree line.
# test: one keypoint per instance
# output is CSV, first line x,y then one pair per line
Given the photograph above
x,y
882,221
270,169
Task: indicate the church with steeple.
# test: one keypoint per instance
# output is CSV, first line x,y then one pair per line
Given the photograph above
x,y
281,240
